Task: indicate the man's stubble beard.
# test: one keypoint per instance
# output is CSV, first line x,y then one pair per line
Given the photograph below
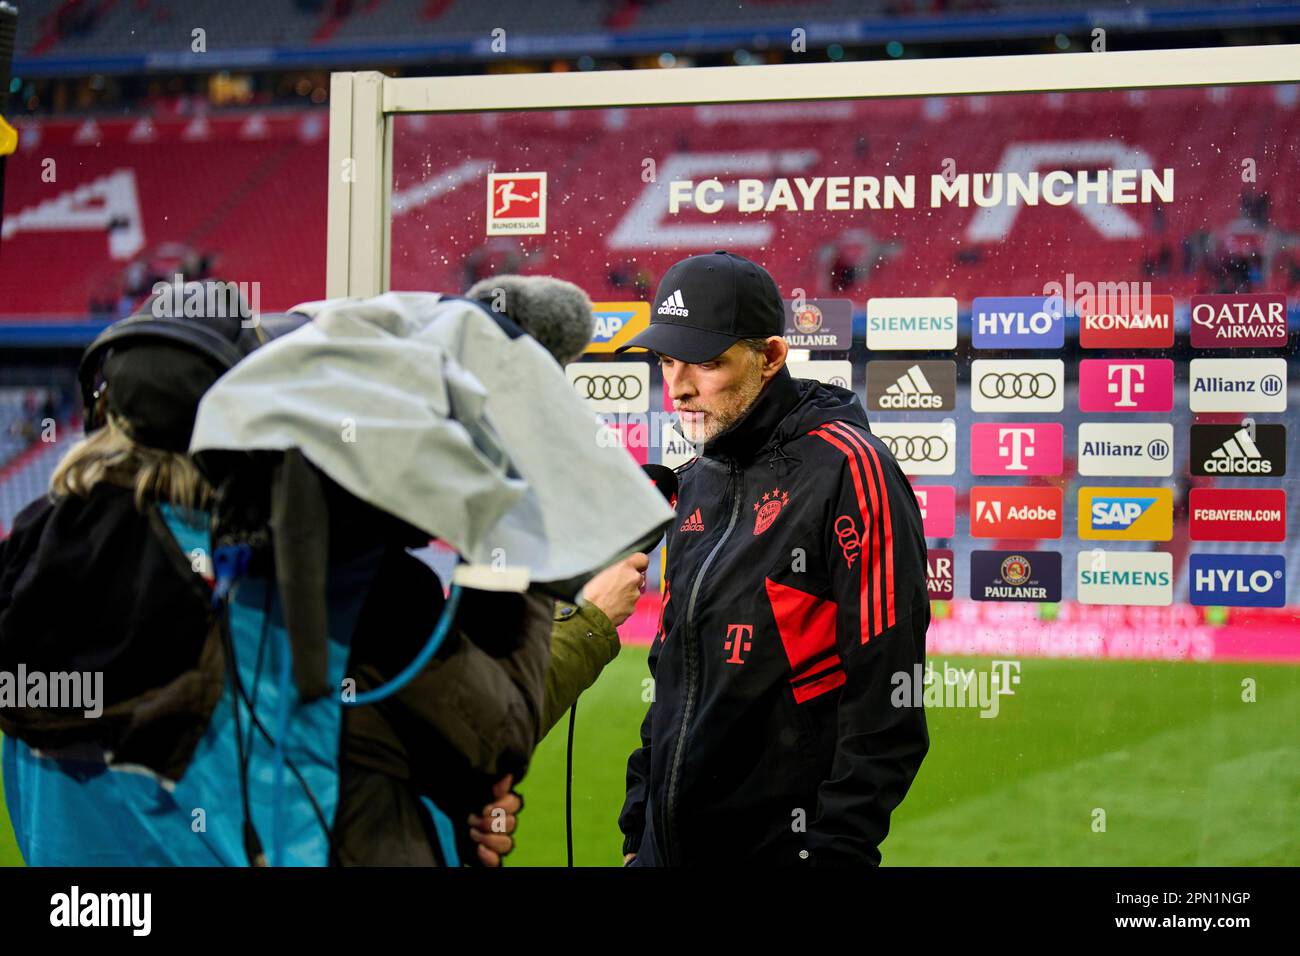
x,y
737,403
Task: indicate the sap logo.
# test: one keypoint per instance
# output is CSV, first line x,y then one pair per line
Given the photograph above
x,y
609,324
1118,514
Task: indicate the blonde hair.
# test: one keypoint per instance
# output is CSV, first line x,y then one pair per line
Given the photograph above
x,y
111,454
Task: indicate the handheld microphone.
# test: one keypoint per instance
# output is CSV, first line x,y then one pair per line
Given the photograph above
x,y
665,479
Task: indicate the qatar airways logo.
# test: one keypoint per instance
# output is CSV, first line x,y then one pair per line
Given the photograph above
x,y
1238,321
1126,385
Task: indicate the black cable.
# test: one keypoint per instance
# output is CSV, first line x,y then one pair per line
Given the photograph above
x,y
568,786
252,843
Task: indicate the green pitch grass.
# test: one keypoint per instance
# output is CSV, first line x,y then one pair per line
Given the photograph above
x,y
1186,773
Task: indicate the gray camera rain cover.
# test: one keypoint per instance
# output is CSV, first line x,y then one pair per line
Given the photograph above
x,y
424,407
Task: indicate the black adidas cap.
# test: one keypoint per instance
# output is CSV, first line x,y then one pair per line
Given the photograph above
x,y
705,303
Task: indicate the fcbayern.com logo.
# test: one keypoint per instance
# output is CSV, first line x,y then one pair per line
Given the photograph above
x,y
1237,514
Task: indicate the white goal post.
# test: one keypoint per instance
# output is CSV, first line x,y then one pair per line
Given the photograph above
x,y
362,105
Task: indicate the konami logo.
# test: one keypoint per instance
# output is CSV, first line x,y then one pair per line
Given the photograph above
x,y
1001,512
1150,328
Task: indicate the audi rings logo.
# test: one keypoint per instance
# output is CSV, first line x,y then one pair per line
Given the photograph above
x,y
1017,385
916,447
616,387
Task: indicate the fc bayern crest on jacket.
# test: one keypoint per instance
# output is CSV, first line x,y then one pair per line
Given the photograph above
x,y
768,507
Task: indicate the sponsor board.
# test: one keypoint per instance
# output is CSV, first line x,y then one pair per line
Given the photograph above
x,y
938,504
920,448
1241,321
1238,385
1137,328
1015,575
1017,322
611,386
1126,514
1139,449
674,450
516,204
1237,514
616,324
819,324
939,574
1241,451
1003,511
1126,385
911,324
911,386
1144,578
827,371
1017,385
1236,580
1016,448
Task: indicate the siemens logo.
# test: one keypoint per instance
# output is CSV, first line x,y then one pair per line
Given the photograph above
x,y
1143,578
1128,578
912,323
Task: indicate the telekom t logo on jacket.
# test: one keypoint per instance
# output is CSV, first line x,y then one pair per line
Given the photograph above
x,y
1126,385
738,641
1016,448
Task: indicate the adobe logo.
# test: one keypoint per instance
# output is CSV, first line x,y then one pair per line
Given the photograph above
x,y
1010,512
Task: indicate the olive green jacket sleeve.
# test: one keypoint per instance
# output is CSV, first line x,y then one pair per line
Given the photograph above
x,y
583,641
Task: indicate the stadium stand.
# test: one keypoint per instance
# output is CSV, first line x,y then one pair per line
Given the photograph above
x,y
135,197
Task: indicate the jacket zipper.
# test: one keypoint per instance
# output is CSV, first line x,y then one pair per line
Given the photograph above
x,y
692,654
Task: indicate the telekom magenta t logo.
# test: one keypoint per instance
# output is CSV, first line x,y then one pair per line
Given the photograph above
x,y
1126,381
738,640
1017,448
1126,385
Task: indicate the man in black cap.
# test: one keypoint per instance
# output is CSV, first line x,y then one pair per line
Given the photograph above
x,y
794,592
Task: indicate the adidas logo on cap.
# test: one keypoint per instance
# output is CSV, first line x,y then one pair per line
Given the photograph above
x,y
694,523
912,390
1238,456
673,305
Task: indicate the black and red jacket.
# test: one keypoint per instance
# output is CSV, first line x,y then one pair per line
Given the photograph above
x,y
794,591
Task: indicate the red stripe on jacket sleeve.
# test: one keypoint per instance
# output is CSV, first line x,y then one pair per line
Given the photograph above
x,y
878,472
867,578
